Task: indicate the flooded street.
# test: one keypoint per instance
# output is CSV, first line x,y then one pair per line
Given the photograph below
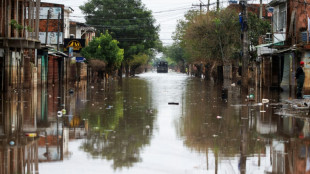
x,y
152,123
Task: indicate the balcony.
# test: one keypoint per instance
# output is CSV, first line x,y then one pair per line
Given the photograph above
x,y
19,43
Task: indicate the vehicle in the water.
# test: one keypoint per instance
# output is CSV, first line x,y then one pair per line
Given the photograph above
x,y
162,67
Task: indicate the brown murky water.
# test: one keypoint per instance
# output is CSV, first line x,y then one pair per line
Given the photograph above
x,y
154,123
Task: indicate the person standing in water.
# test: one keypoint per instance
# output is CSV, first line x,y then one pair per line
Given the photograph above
x,y
300,77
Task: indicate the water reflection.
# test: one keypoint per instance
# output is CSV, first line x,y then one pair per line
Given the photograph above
x,y
128,127
19,144
121,122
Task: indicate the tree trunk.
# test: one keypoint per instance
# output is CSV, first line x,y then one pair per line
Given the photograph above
x,y
220,74
120,70
127,69
208,71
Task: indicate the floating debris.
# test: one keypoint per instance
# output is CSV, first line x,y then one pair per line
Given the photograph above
x,y
301,107
109,107
262,111
218,117
71,91
147,127
215,135
173,103
265,100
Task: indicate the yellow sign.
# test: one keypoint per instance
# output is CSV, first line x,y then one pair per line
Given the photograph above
x,y
76,45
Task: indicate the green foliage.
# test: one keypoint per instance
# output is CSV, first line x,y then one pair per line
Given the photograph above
x,y
104,48
215,36
138,60
257,27
15,25
175,52
128,21
28,28
19,27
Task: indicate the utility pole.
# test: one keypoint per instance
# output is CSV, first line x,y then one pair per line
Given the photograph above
x,y
218,5
200,5
58,22
208,5
245,49
261,9
37,19
48,18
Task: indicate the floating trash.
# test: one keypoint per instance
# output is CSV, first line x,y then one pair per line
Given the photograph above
x,y
218,117
147,127
265,100
215,135
109,107
173,103
262,111
301,107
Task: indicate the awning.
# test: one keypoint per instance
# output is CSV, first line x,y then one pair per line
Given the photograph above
x,y
285,50
58,53
281,43
263,45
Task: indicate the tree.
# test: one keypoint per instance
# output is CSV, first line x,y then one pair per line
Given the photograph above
x,y
214,38
128,21
106,49
138,60
177,54
257,27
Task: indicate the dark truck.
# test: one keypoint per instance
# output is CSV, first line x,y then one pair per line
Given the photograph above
x,y
162,67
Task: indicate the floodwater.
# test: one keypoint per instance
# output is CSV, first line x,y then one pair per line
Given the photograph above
x,y
155,124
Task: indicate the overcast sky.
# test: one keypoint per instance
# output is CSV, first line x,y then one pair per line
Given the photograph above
x,y
166,12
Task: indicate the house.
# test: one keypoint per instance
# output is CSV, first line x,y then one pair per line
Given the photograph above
x,y
51,35
290,45
19,42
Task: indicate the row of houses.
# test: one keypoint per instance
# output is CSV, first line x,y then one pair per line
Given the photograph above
x,y
39,48
280,51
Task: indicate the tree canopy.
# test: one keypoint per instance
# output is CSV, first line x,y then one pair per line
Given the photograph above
x,y
215,36
104,48
128,21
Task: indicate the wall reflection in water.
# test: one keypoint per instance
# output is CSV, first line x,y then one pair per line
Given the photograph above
x,y
246,135
30,130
